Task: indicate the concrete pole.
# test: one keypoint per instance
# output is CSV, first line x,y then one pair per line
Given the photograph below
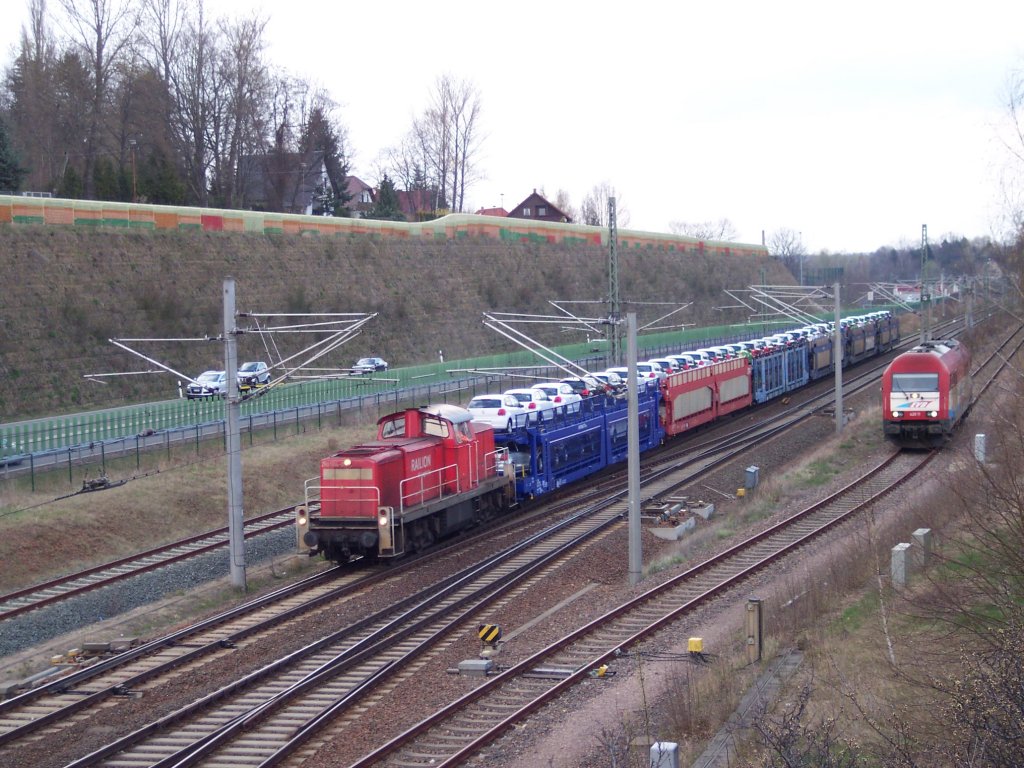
x,y
837,356
969,320
633,454
754,622
236,525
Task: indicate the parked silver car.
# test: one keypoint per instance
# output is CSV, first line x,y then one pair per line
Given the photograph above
x,y
208,384
252,375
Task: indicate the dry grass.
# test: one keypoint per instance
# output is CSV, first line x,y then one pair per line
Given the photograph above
x,y
141,284
170,498
881,662
803,481
834,606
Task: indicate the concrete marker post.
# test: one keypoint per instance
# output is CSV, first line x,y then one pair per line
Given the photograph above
x,y
900,565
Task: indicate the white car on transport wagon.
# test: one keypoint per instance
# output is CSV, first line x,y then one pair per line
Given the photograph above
x,y
501,411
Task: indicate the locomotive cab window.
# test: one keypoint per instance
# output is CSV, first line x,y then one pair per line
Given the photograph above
x,y
915,382
393,428
435,426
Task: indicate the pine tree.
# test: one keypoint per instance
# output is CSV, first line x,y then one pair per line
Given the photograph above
x,y
11,171
321,134
386,206
159,182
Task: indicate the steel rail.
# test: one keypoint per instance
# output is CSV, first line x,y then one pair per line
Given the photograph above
x,y
217,738
804,407
704,458
73,585
380,633
611,640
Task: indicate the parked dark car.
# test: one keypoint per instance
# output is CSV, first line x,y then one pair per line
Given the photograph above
x,y
369,365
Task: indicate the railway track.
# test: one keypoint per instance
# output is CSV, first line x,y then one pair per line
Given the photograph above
x,y
262,722
458,732
359,682
53,704
243,724
72,585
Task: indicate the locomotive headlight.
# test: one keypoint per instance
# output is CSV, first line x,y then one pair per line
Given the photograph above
x,y
895,414
933,414
301,519
347,462
382,519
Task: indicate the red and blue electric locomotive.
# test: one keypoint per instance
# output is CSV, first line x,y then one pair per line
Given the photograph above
x,y
926,393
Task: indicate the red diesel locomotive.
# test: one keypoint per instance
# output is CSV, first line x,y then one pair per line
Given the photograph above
x,y
926,393
430,472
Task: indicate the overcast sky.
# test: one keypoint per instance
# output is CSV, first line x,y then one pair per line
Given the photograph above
x,y
851,124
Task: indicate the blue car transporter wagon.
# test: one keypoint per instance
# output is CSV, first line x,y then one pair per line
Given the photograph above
x,y
571,446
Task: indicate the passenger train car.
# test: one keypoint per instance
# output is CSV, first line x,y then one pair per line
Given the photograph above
x,y
433,471
926,393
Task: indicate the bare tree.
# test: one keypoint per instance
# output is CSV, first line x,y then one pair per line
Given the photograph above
x,y
564,204
1012,182
446,139
192,81
162,26
789,740
594,208
406,164
1013,140
242,88
979,614
102,31
787,245
722,230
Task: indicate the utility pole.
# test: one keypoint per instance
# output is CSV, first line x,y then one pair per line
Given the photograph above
x,y
236,524
969,318
135,196
633,453
837,358
614,332
333,329
926,298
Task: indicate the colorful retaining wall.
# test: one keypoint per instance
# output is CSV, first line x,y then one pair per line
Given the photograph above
x,y
91,213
